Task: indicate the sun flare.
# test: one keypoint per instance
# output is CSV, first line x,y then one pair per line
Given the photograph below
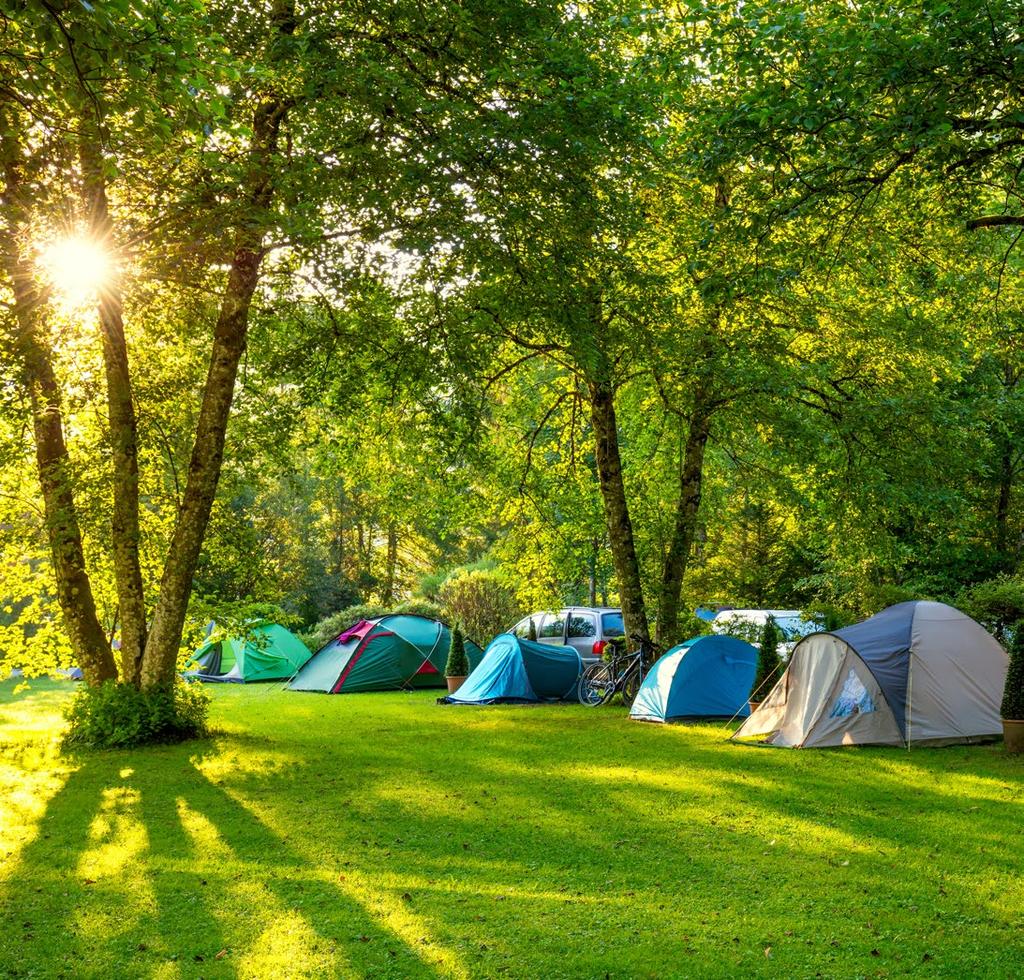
x,y
77,268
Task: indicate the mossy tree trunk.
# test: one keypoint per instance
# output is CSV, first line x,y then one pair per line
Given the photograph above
x,y
684,531
120,409
31,346
616,507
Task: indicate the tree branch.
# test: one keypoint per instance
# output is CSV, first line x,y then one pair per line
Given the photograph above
x,y
995,221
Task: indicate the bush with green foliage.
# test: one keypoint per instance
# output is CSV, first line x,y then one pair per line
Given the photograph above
x,y
481,602
769,663
532,629
1013,692
458,662
327,629
430,585
828,616
996,603
113,715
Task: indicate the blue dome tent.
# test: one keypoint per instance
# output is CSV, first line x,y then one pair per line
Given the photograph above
x,y
518,671
706,677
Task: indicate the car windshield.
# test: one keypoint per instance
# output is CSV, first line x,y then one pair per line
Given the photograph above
x,y
611,624
795,627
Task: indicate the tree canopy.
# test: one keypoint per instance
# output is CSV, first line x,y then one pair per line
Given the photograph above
x,y
308,305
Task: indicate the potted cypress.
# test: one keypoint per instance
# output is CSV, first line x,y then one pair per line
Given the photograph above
x,y
769,664
1013,694
457,667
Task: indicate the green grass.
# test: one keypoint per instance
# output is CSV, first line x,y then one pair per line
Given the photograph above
x,y
383,835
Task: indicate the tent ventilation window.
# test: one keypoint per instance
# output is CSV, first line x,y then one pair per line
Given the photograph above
x,y
853,699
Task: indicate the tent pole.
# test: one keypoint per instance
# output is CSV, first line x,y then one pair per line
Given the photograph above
x,y
910,695
770,677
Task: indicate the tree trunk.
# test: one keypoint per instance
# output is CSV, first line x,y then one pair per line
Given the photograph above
x,y
74,590
691,475
229,338
203,471
616,508
388,595
1003,500
121,412
592,574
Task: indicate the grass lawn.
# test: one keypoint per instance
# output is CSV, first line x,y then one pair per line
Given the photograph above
x,y
382,835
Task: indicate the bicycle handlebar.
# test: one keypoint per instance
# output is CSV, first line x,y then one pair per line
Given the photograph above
x,y
643,641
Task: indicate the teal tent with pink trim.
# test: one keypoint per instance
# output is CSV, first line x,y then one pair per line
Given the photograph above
x,y
386,654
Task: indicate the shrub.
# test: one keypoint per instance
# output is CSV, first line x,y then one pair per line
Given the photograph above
x,y
327,629
769,663
458,662
996,603
310,641
481,602
829,617
1013,693
430,585
532,633
114,715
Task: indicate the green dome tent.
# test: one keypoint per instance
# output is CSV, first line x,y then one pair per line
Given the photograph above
x,y
267,652
385,654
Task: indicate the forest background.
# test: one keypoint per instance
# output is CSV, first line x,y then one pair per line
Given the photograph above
x,y
501,306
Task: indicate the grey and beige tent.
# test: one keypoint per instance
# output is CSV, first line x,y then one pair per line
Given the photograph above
x,y
918,673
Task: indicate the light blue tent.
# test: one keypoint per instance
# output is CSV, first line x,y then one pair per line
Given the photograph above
x,y
518,671
706,677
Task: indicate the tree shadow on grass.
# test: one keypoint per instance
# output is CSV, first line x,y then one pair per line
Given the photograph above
x,y
781,840
408,841
141,863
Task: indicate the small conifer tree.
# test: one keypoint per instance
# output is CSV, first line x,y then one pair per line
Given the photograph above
x,y
458,662
532,635
1013,692
769,663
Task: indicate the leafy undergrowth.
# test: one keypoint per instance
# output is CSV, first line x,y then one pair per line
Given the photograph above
x,y
383,835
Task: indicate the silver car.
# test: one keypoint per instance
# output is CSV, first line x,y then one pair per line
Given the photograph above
x,y
588,629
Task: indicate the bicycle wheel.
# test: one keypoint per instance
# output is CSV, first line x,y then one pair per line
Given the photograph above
x,y
597,685
630,685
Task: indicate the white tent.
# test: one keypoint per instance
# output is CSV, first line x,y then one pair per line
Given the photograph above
x,y
918,673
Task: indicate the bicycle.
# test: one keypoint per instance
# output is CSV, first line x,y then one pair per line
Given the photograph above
x,y
622,673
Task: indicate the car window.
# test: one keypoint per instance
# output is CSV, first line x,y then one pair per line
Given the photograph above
x,y
582,625
553,625
522,628
790,627
611,624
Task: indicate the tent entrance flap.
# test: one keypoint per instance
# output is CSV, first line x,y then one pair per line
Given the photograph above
x,y
856,711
